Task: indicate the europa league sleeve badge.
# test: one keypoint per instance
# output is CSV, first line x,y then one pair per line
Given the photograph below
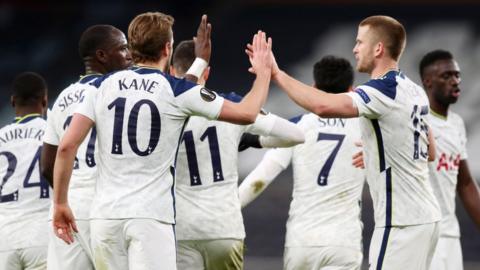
x,y
207,95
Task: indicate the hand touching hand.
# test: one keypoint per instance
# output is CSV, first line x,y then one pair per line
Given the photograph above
x,y
260,54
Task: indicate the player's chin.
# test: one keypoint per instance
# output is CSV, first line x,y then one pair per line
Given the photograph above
x,y
452,99
361,68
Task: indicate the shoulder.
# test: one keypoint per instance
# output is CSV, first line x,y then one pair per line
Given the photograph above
x,y
178,86
6,127
387,85
456,119
97,82
40,121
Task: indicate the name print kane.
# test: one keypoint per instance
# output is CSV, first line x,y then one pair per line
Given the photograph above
x,y
142,84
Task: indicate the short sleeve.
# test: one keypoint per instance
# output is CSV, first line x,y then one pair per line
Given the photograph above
x,y
463,140
376,97
201,101
87,105
51,137
370,102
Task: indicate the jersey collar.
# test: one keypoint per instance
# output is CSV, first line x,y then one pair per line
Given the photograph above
x,y
437,115
88,77
26,118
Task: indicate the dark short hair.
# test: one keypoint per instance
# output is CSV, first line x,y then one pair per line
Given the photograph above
x,y
390,31
333,74
431,57
94,38
28,89
183,56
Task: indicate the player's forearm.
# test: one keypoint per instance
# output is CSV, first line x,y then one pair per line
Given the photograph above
x,y
470,196
468,191
431,145
258,180
47,162
304,95
63,171
255,98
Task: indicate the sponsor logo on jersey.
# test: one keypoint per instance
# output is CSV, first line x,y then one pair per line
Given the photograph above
x,y
448,162
207,95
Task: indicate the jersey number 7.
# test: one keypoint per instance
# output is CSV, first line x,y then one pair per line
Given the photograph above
x,y
322,179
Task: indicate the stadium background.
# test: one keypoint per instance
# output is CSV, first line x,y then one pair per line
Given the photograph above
x,y
42,36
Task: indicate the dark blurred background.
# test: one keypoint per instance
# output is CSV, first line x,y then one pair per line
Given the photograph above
x,y
42,36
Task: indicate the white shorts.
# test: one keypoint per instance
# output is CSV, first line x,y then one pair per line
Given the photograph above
x,y
76,256
448,254
322,257
406,247
34,258
219,254
133,244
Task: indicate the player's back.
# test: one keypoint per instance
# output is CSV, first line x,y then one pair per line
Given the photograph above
x,y
394,131
139,116
206,181
327,188
24,194
450,144
82,182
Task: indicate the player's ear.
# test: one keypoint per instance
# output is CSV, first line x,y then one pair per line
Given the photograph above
x,y
45,102
168,49
101,56
427,82
379,49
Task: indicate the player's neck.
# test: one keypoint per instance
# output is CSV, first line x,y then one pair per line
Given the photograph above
x,y
383,67
24,111
92,68
160,64
438,108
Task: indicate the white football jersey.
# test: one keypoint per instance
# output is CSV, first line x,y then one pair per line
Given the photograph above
x,y
207,203
327,188
450,137
139,116
82,182
394,131
24,194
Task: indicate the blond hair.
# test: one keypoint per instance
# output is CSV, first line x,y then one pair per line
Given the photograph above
x,y
390,31
148,33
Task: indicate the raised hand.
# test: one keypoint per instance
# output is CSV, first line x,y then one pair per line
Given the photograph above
x,y
203,43
64,222
260,53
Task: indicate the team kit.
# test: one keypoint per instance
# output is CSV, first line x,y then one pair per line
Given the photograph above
x,y
135,165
